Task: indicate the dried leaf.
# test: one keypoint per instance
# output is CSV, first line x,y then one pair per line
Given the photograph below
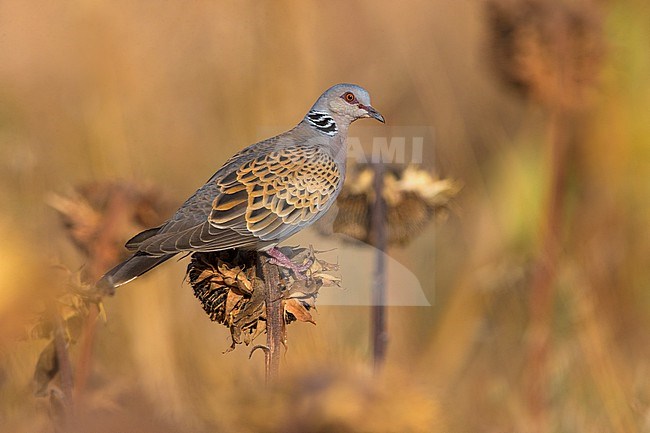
x,y
304,288
298,310
207,273
326,266
102,311
73,327
328,280
232,299
46,369
42,329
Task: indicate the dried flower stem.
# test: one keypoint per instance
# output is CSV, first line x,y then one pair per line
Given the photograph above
x,y
102,256
65,367
274,318
84,362
379,333
542,290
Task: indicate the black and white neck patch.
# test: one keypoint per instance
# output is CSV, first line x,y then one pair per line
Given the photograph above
x,y
323,122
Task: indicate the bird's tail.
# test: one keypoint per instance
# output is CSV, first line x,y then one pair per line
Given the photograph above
x,y
128,270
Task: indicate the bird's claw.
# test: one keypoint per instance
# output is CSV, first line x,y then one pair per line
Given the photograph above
x,y
278,258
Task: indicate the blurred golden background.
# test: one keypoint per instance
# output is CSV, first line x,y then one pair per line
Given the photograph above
x,y
539,280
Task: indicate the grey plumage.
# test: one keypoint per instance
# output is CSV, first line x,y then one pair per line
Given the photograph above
x,y
263,194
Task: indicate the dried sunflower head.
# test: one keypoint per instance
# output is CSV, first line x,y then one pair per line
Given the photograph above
x,y
99,216
413,197
229,287
85,210
547,50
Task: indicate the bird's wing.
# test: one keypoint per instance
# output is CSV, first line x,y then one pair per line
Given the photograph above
x,y
253,201
275,195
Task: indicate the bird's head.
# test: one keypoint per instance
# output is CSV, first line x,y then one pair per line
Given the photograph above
x,y
347,101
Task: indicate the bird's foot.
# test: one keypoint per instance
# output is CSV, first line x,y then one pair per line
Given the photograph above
x,y
280,259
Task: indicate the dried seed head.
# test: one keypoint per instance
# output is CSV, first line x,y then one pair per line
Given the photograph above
x,y
549,51
413,197
90,210
228,286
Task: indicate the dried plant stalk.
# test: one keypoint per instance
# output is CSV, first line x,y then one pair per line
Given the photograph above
x,y
97,217
379,331
387,205
275,328
550,52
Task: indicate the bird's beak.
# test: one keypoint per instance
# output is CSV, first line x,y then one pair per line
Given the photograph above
x,y
374,113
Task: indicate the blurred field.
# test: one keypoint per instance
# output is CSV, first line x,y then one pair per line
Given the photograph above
x,y
539,281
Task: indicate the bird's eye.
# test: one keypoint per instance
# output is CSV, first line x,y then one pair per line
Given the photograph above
x,y
349,97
